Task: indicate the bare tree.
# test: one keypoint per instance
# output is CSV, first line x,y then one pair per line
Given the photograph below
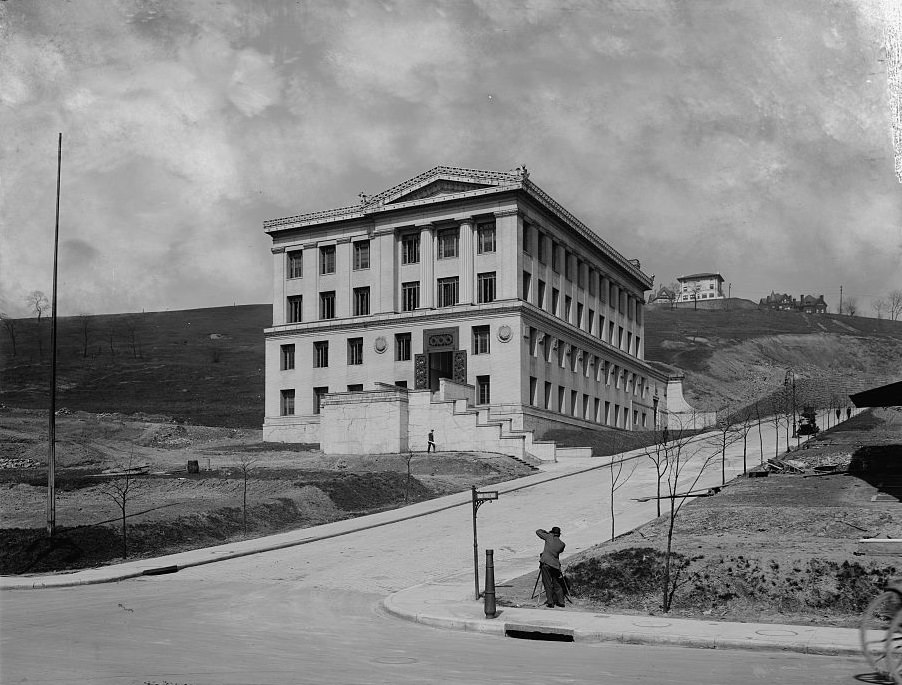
x,y
727,434
775,416
894,304
745,421
687,461
110,336
851,306
657,453
122,489
38,303
408,458
879,306
675,294
10,325
84,327
760,433
132,328
245,467
618,480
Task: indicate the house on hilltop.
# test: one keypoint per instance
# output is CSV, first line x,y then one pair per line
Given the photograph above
x,y
704,286
462,301
808,304
664,297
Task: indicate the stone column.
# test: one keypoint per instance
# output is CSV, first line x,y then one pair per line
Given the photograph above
x,y
343,297
278,282
467,275
427,266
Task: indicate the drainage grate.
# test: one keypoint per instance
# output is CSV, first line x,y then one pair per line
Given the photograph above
x,y
539,633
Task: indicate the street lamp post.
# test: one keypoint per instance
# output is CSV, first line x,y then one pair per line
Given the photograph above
x,y
479,498
791,378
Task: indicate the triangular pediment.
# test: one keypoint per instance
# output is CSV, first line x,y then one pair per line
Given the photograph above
x,y
438,188
444,181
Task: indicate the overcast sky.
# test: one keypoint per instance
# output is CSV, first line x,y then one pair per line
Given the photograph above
x,y
749,137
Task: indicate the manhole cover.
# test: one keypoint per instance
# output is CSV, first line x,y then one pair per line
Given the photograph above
x,y
395,660
775,633
651,624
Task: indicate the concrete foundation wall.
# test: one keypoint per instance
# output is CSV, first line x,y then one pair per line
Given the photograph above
x,y
369,422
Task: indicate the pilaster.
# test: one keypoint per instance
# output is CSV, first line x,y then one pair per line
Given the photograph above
x,y
278,281
467,276
427,266
508,227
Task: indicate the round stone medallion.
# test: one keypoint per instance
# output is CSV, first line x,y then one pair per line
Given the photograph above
x,y
504,333
380,345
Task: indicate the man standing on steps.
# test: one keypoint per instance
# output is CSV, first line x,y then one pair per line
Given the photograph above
x,y
550,566
430,445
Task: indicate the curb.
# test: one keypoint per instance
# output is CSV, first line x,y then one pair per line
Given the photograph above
x,y
500,627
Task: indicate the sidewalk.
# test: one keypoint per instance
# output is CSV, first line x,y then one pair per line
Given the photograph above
x,y
302,536
450,604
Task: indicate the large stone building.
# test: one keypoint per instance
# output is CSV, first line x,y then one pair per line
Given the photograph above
x,y
696,287
457,277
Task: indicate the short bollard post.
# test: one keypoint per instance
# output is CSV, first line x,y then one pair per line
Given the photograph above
x,y
489,593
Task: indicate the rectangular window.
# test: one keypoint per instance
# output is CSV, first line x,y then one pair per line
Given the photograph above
x,y
287,357
295,309
561,353
401,384
485,238
318,398
568,305
593,275
410,248
560,399
596,415
527,238
612,296
555,297
533,341
327,259
540,294
410,296
611,332
601,326
355,351
547,403
580,274
355,387
327,305
361,255
483,390
590,322
527,282
540,246
361,301
638,346
574,406
295,264
546,352
447,244
568,271
533,390
586,414
447,292
555,259
607,413
480,339
402,347
321,354
629,343
485,287
617,415
286,403
579,314
619,337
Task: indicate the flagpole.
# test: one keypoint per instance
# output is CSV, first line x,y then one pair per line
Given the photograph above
x,y
51,438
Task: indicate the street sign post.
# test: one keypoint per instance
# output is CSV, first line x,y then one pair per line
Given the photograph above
x,y
479,498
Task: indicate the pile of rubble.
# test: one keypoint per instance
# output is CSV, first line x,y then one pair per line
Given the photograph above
x,y
19,464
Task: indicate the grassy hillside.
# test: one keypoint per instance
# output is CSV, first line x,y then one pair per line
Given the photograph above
x,y
205,366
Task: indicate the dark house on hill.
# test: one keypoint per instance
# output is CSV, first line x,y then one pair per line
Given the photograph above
x,y
807,304
664,297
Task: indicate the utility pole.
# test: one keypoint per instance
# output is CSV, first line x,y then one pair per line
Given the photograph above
x,y
840,299
51,438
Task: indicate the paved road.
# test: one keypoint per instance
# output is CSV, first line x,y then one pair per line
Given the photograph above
x,y
310,613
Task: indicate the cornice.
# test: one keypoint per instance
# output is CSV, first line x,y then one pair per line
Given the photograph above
x,y
392,320
506,212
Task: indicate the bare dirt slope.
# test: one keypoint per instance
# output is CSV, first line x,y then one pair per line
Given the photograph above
x,y
168,508
778,549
